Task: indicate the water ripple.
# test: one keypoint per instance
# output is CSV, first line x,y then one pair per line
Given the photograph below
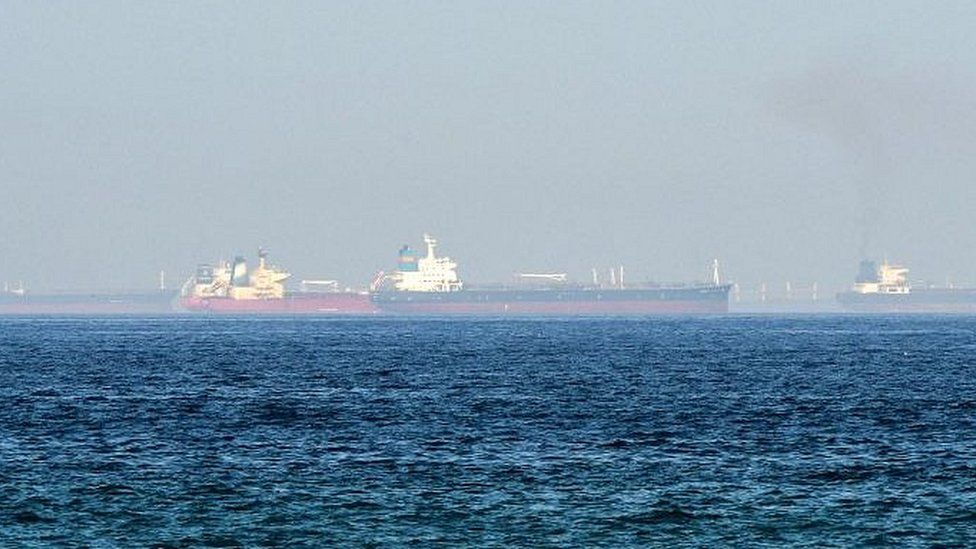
x,y
184,432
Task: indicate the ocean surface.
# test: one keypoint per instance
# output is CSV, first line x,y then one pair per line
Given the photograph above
x,y
724,431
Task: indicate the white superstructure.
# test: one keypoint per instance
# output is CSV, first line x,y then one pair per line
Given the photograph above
x,y
888,279
426,274
233,281
18,290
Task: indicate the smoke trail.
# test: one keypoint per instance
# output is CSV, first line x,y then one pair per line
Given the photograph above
x,y
844,105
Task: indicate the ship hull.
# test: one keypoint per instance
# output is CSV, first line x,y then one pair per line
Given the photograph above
x,y
943,300
88,304
315,304
583,302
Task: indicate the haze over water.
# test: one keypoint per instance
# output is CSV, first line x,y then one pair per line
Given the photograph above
x,y
783,140
787,141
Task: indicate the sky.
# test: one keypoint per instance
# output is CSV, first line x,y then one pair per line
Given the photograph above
x,y
786,139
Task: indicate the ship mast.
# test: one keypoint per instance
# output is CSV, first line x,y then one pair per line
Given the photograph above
x,y
431,245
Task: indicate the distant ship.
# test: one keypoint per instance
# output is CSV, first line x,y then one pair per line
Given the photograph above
x,y
19,301
885,289
230,288
430,285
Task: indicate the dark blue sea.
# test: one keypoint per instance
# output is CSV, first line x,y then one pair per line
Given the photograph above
x,y
724,431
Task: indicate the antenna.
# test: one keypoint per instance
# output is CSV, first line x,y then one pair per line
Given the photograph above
x,y
621,277
613,278
162,281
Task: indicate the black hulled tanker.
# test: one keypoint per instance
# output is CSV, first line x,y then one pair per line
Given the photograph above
x,y
429,285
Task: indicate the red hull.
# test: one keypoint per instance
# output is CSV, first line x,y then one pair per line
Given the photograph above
x,y
557,308
325,304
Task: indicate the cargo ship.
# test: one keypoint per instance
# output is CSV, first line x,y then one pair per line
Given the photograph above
x,y
228,287
886,289
430,285
19,301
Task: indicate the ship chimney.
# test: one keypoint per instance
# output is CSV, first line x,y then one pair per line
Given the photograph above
x,y
238,273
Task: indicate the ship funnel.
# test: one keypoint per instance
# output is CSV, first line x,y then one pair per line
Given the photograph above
x,y
238,273
407,260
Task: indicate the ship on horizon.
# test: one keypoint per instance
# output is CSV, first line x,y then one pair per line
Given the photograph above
x,y
228,287
19,300
885,288
422,284
430,285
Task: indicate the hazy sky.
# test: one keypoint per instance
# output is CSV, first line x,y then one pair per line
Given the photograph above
x,y
779,137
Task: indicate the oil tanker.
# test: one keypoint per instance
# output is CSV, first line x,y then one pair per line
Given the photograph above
x,y
886,289
430,285
229,288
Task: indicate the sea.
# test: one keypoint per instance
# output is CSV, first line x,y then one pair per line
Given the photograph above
x,y
742,431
